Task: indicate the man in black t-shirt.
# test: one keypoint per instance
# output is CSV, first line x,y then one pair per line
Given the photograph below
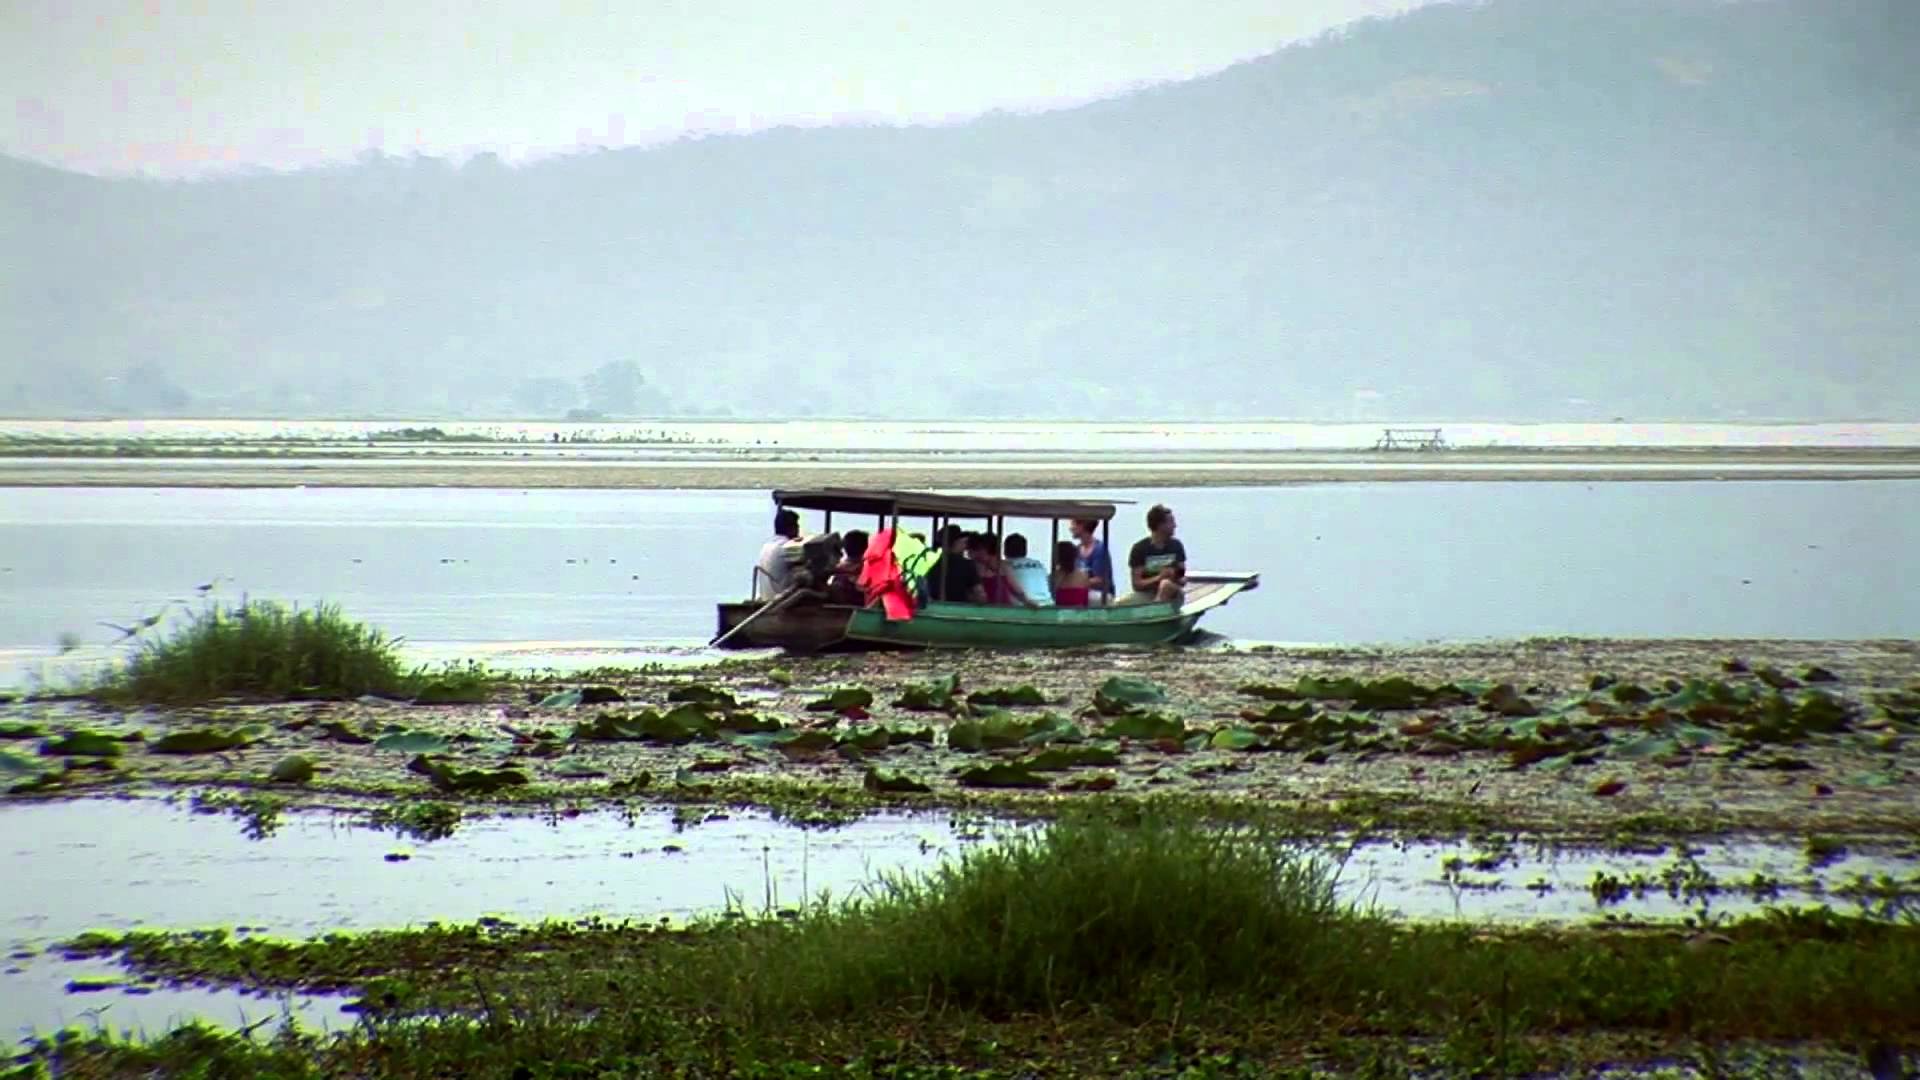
x,y
954,578
1158,562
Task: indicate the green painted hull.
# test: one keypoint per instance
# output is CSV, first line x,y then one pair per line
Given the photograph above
x,y
977,626
974,626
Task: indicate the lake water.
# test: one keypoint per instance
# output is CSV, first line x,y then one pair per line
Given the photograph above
x,y
545,573
119,864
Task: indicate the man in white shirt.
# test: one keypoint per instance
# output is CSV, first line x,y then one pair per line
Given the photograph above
x,y
775,573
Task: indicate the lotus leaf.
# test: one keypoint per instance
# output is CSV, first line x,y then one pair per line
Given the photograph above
x,y
1776,678
1236,739
446,777
293,769
935,696
1648,746
1123,693
843,699
82,744
1001,775
698,694
1279,713
1007,696
1270,692
440,692
868,739
780,677
340,732
1145,725
16,765
1504,700
1816,673
412,742
1061,758
563,699
1630,694
901,735
1096,782
21,731
577,770
746,722
880,780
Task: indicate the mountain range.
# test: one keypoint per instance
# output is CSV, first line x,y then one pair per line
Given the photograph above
x,y
1515,209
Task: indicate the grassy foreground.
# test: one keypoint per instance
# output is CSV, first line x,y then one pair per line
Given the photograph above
x,y
1156,946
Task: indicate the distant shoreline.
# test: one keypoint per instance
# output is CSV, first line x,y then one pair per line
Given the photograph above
x,y
770,469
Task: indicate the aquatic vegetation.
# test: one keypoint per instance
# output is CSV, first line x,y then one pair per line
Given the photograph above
x,y
266,650
292,769
82,744
419,819
205,740
259,814
1125,693
452,778
1006,697
1064,943
936,695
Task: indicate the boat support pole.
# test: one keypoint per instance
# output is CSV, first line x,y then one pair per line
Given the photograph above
x,y
771,606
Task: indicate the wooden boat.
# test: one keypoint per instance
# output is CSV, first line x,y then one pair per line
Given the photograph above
x,y
809,625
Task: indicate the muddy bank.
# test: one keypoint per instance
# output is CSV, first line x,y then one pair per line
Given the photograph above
x,y
1555,736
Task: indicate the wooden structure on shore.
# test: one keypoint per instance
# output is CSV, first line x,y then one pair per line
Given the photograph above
x,y
1401,438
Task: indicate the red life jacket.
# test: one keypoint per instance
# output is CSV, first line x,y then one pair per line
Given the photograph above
x,y
880,578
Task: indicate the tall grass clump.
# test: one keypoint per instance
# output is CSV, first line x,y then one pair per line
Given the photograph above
x,y
1090,912
262,649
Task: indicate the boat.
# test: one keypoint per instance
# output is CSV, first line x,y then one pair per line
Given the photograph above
x,y
805,623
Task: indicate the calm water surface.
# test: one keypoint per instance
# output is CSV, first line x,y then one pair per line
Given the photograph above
x,y
539,573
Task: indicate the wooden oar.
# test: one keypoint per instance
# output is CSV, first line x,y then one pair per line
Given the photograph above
x,y
772,605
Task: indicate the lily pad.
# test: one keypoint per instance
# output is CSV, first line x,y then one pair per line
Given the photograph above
x,y
1270,692
448,778
562,699
1001,775
780,676
577,770
1504,700
203,741
441,692
843,699
1008,696
699,694
746,722
1062,758
292,769
1145,725
998,731
1237,739
21,731
935,696
867,739
82,744
412,742
881,780
340,732
17,765
1279,713
1123,693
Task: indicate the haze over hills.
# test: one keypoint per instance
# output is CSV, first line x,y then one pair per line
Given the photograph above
x,y
1522,209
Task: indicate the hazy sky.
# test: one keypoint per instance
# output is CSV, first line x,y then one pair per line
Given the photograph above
x,y
178,86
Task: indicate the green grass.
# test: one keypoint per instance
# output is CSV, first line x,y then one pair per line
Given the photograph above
x,y
1093,947
265,650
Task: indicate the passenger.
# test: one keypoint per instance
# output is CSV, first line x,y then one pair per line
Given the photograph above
x,y
1092,556
955,579
1027,576
843,587
773,574
996,582
1071,586
1158,562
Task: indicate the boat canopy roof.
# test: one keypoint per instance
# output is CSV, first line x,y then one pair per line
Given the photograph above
x,y
932,504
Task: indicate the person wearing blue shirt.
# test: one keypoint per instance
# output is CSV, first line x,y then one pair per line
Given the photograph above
x,y
1094,560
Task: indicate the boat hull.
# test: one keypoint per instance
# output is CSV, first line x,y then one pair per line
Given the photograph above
x,y
974,626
